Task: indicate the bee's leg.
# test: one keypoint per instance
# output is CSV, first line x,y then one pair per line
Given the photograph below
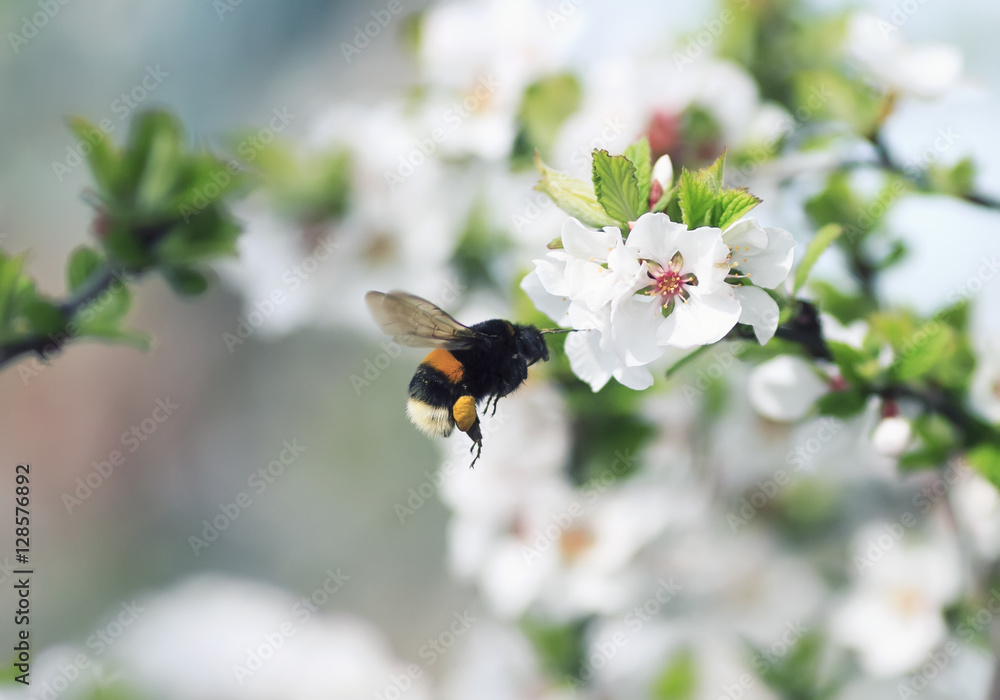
x,y
479,452
467,420
496,400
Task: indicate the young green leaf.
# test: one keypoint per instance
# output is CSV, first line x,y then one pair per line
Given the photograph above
x,y
841,403
679,680
820,242
546,104
575,197
696,196
642,159
102,159
986,459
617,187
186,281
83,262
733,205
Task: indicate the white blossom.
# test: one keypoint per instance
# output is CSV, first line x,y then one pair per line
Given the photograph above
x,y
926,72
892,615
765,256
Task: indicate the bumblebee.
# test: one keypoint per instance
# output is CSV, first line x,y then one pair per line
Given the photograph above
x,y
469,364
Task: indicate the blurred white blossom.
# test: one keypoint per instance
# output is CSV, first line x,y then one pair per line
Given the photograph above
x,y
926,71
893,614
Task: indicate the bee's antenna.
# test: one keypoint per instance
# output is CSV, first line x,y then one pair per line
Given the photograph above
x,y
558,330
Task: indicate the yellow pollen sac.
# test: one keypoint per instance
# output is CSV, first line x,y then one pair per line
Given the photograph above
x,y
464,412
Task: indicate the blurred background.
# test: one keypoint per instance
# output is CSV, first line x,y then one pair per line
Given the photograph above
x,y
339,501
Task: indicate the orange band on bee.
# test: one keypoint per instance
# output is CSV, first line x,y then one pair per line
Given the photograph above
x,y
445,363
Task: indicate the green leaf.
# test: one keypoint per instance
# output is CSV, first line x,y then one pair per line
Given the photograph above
x,y
44,318
642,159
186,281
108,309
849,361
547,103
11,267
153,156
83,262
575,197
696,196
828,95
561,649
929,349
986,459
115,334
102,160
712,174
841,403
846,307
820,242
617,187
733,205
679,680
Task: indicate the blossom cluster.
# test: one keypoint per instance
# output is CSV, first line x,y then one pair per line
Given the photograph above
x,y
661,286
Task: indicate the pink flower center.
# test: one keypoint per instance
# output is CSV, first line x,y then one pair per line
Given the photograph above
x,y
668,282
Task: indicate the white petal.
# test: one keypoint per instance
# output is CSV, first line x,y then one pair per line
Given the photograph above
x,y
655,237
745,234
928,71
588,361
534,285
705,256
702,319
634,324
770,267
637,378
759,310
588,244
785,388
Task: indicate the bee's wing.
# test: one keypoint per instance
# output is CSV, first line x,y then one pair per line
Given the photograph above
x,y
417,322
